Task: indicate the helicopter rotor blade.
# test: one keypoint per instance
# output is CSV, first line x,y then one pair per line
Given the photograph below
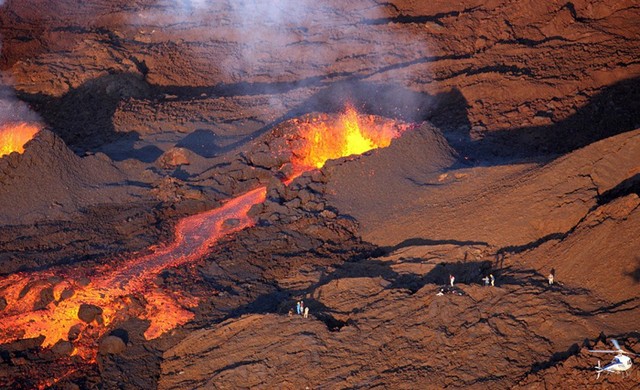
x,y
610,351
615,344
620,350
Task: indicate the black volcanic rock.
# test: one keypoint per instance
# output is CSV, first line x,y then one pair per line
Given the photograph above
x,y
74,332
88,312
62,348
46,297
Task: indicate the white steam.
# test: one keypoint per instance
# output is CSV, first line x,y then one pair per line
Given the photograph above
x,y
11,108
307,38
302,42
287,40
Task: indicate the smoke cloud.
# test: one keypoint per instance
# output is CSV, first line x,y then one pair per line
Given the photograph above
x,y
11,108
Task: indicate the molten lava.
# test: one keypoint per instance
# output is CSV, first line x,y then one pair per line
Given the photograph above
x,y
14,136
350,134
81,305
112,289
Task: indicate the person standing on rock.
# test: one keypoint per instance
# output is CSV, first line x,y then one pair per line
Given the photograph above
x,y
298,308
486,280
301,307
550,277
306,312
451,279
493,280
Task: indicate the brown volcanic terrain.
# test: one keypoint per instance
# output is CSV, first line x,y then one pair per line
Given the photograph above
x,y
524,159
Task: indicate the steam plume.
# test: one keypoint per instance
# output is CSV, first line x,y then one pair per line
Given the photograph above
x,y
289,41
12,109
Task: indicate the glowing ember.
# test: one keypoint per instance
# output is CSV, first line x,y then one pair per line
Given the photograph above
x,y
83,305
13,137
352,134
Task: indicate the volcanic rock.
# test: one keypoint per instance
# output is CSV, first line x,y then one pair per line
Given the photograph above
x,y
74,332
173,158
587,251
66,294
24,344
46,297
88,312
48,180
562,371
372,319
479,204
71,386
62,348
112,345
381,347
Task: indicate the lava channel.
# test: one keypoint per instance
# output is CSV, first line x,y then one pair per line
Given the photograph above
x,y
111,288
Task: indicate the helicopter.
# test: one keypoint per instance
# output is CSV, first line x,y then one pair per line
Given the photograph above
x,y
620,363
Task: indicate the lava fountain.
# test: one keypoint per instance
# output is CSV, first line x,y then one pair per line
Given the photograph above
x,y
13,137
351,134
79,305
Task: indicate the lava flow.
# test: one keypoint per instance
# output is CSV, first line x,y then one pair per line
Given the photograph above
x,y
110,290
77,305
14,136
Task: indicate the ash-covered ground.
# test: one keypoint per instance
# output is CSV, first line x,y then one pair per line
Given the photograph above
x,y
522,159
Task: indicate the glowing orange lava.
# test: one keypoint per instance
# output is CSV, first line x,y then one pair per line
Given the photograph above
x,y
350,134
125,288
14,136
112,288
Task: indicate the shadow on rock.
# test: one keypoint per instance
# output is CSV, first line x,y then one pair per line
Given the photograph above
x,y
530,277
83,117
281,301
614,110
556,358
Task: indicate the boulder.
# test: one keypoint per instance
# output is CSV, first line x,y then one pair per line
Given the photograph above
x,y
173,158
88,312
111,345
62,348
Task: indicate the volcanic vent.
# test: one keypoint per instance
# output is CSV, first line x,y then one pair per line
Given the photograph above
x,y
323,139
14,136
